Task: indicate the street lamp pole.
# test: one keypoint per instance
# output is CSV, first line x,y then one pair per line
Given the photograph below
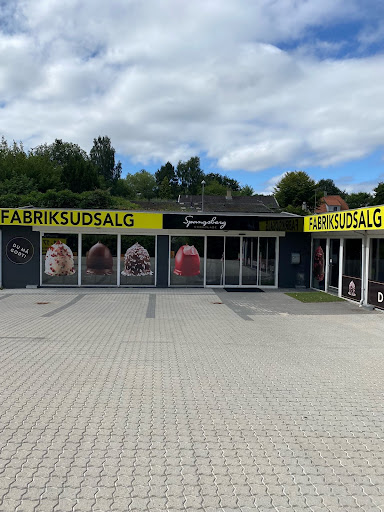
x,y
202,195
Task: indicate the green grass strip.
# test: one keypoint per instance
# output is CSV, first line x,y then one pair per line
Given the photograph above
x,y
314,297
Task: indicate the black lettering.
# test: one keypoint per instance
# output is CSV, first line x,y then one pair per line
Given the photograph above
x,y
75,221
128,220
108,220
377,218
336,221
342,224
16,217
362,220
97,219
369,223
38,217
27,214
64,218
117,223
331,222
4,215
355,220
87,219
53,218
349,220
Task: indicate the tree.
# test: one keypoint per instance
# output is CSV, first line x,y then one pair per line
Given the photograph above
x,y
79,174
190,175
228,183
294,189
359,199
60,152
378,196
247,191
168,172
165,189
328,187
214,188
102,155
143,183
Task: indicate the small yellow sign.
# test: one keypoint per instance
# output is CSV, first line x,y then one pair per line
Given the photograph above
x,y
47,242
348,220
80,218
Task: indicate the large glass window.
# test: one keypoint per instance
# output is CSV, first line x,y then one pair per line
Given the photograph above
x,y
267,261
352,257
215,260
376,266
137,260
59,259
187,261
99,260
250,250
318,263
232,260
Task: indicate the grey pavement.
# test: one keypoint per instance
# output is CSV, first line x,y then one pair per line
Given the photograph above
x,y
199,400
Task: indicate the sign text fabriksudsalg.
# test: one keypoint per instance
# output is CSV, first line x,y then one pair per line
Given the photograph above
x,y
80,218
349,220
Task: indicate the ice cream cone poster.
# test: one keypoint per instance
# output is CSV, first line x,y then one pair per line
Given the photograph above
x,y
318,264
99,260
59,260
187,261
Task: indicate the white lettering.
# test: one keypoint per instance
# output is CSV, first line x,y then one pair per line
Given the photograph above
x,y
380,297
189,221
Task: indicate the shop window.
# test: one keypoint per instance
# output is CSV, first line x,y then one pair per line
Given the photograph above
x,y
318,263
59,259
215,260
99,260
352,257
232,260
137,260
187,261
267,261
376,267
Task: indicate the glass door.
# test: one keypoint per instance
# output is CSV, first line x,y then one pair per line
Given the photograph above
x,y
250,261
334,248
232,260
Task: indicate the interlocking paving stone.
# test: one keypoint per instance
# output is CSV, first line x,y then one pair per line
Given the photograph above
x,y
162,400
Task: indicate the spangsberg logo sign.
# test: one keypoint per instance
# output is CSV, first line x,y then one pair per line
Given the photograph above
x,y
361,219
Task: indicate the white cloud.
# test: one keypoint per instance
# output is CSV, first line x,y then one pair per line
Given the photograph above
x,y
167,80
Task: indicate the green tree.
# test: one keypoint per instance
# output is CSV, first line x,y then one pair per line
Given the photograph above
x,y
214,188
168,171
359,199
165,189
294,189
143,183
17,184
247,190
190,175
121,188
102,155
79,174
328,187
378,196
228,183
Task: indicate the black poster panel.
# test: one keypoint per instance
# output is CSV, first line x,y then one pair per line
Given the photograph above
x,y
351,288
376,294
210,222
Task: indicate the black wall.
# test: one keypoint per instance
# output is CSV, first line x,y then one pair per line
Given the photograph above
x,y
19,276
293,275
162,261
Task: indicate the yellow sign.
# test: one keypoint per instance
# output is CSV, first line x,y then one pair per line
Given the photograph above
x,y
294,224
80,218
349,220
47,242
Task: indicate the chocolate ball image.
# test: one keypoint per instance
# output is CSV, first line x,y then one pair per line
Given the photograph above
x,y
187,261
99,260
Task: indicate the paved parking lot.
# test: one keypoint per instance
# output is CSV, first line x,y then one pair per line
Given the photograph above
x,y
169,400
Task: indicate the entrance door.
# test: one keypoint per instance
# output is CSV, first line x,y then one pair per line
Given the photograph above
x,y
334,247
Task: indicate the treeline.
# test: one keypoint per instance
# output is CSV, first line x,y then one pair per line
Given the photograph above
x,y
298,193
63,175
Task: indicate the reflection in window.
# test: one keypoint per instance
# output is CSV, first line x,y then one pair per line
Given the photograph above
x,y
267,250
318,263
99,260
59,259
249,272
376,267
187,261
215,260
232,260
352,257
138,260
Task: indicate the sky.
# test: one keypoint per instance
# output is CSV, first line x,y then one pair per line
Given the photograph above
x,y
255,88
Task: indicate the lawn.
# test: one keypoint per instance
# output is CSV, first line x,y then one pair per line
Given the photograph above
x,y
314,297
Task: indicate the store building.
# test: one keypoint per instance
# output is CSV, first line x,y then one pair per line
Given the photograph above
x,y
348,253
121,248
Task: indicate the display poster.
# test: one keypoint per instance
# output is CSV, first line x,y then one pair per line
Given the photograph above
x,y
187,261
99,260
59,259
351,287
138,260
376,294
19,250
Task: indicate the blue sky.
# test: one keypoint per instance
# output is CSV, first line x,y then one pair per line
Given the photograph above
x,y
255,89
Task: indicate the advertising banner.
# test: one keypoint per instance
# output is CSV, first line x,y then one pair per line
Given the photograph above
x,y
80,218
294,225
351,288
350,220
19,250
210,222
376,294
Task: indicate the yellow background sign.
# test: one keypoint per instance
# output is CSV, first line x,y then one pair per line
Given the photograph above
x,y
349,220
80,218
